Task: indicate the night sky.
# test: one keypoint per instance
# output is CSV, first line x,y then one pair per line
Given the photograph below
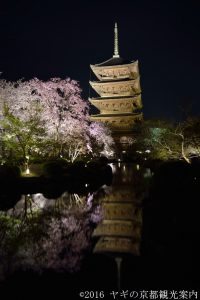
x,y
62,38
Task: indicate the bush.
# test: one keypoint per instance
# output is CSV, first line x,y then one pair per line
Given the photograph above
x,y
103,160
9,172
53,169
77,170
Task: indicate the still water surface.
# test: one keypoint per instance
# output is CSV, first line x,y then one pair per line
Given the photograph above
x,y
95,240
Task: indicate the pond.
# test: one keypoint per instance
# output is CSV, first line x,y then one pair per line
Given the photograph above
x,y
126,235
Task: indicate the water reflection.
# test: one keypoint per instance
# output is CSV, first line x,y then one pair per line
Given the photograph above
x,y
31,203
119,233
40,233
45,232
120,230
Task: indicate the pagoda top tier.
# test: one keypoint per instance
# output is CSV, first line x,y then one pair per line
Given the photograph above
x,y
114,61
111,71
116,68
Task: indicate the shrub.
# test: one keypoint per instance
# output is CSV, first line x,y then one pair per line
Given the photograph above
x,y
53,169
9,172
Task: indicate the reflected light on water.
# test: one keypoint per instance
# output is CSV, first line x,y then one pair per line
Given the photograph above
x,y
147,173
113,166
39,200
119,160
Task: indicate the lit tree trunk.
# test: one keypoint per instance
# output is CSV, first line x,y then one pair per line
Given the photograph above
x,y
183,153
24,151
74,151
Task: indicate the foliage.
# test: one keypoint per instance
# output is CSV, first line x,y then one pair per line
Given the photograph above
x,y
20,136
9,172
171,140
48,119
101,140
65,115
54,168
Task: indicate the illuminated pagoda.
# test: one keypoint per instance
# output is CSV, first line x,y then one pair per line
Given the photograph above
x,y
119,93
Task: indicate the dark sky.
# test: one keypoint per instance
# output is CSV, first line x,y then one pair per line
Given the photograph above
x,y
62,38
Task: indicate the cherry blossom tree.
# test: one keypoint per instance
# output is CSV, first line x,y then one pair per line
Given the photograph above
x,y
65,114
55,106
21,137
21,125
101,139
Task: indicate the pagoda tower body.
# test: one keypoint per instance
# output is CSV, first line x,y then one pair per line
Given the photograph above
x,y
119,93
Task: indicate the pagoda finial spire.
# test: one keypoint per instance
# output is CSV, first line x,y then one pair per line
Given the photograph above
x,y
116,45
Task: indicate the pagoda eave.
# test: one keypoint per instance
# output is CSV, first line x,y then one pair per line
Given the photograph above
x,y
115,82
117,245
119,122
117,88
121,228
117,105
120,72
119,115
97,66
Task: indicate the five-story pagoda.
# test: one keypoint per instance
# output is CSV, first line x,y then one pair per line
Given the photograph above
x,y
119,93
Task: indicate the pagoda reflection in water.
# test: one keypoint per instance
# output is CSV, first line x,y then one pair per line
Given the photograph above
x,y
119,233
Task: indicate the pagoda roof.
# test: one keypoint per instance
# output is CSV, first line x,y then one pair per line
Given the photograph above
x,y
114,61
117,115
115,98
108,82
